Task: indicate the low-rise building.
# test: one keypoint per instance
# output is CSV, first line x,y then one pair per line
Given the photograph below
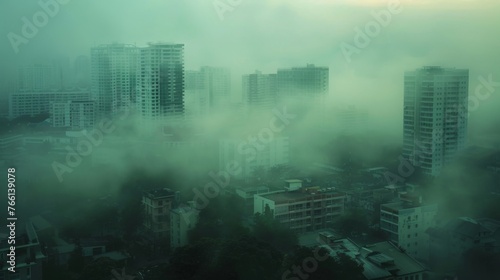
x,y
248,193
302,209
450,240
405,223
381,261
157,205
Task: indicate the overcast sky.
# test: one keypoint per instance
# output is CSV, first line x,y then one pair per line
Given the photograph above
x,y
270,34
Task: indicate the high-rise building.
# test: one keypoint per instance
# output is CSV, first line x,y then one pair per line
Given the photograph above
x,y
207,91
303,82
81,72
259,90
38,77
113,74
160,82
348,120
435,116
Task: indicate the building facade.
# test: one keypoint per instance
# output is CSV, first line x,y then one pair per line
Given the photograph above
x,y
310,82
34,103
207,91
302,209
113,77
452,239
160,82
435,116
157,205
73,114
259,91
405,223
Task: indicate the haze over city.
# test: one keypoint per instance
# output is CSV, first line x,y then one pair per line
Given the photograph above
x,y
234,139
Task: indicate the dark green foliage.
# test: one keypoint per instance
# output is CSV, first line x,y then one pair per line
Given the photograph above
x,y
353,222
478,264
99,269
244,258
76,261
271,231
316,264
222,218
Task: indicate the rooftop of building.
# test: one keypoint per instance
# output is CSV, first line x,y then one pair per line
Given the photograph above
x,y
406,200
159,193
404,263
252,188
280,197
308,66
183,209
465,226
379,260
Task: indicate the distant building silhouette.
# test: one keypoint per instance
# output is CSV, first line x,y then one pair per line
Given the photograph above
x,y
160,82
113,75
435,116
259,91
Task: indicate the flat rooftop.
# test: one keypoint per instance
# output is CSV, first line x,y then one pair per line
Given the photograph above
x,y
159,193
379,260
405,263
299,195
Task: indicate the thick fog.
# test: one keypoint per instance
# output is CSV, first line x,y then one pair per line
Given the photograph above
x,y
366,72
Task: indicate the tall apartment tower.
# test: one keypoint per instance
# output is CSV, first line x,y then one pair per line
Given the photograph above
x,y
259,90
160,82
309,81
218,83
113,74
435,116
207,91
39,77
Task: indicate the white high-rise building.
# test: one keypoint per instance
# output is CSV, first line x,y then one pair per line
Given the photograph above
x,y
259,90
39,78
303,82
435,116
207,91
81,72
160,82
113,74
